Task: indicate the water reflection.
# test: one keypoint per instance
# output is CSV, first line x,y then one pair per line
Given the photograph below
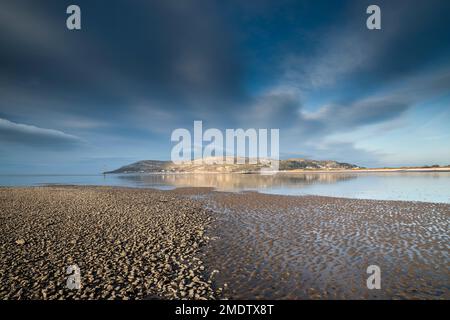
x,y
236,182
411,186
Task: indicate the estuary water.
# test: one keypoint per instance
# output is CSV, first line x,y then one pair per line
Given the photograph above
x,y
408,186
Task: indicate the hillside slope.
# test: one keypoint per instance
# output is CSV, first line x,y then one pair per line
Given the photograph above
x,y
212,165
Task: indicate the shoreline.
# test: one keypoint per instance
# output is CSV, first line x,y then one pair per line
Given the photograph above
x,y
371,170
295,171
444,169
134,243
201,189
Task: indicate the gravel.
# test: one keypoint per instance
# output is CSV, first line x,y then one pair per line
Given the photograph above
x,y
127,243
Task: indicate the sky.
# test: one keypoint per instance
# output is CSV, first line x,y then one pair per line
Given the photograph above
x,y
111,93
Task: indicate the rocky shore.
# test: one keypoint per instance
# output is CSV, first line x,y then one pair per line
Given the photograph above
x,y
127,243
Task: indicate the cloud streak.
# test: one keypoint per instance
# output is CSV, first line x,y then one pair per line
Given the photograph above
x,y
32,136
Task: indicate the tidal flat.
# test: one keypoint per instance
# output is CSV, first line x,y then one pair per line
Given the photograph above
x,y
196,243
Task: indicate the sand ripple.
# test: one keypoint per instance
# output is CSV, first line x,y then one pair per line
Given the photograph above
x,y
280,247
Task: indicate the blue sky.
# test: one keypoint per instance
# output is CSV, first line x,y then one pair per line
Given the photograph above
x,y
111,94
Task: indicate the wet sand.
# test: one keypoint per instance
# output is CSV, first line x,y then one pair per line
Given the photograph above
x,y
310,247
143,243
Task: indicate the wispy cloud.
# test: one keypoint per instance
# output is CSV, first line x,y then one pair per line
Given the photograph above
x,y
32,136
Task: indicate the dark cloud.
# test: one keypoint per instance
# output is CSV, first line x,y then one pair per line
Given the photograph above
x,y
420,36
285,110
271,110
161,49
335,118
414,34
138,70
307,133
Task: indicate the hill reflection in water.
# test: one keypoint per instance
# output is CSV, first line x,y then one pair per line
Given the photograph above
x,y
236,182
408,186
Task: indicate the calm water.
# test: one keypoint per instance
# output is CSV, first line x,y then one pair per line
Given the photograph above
x,y
415,186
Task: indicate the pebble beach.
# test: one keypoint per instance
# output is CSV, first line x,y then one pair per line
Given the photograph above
x,y
127,243
195,243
